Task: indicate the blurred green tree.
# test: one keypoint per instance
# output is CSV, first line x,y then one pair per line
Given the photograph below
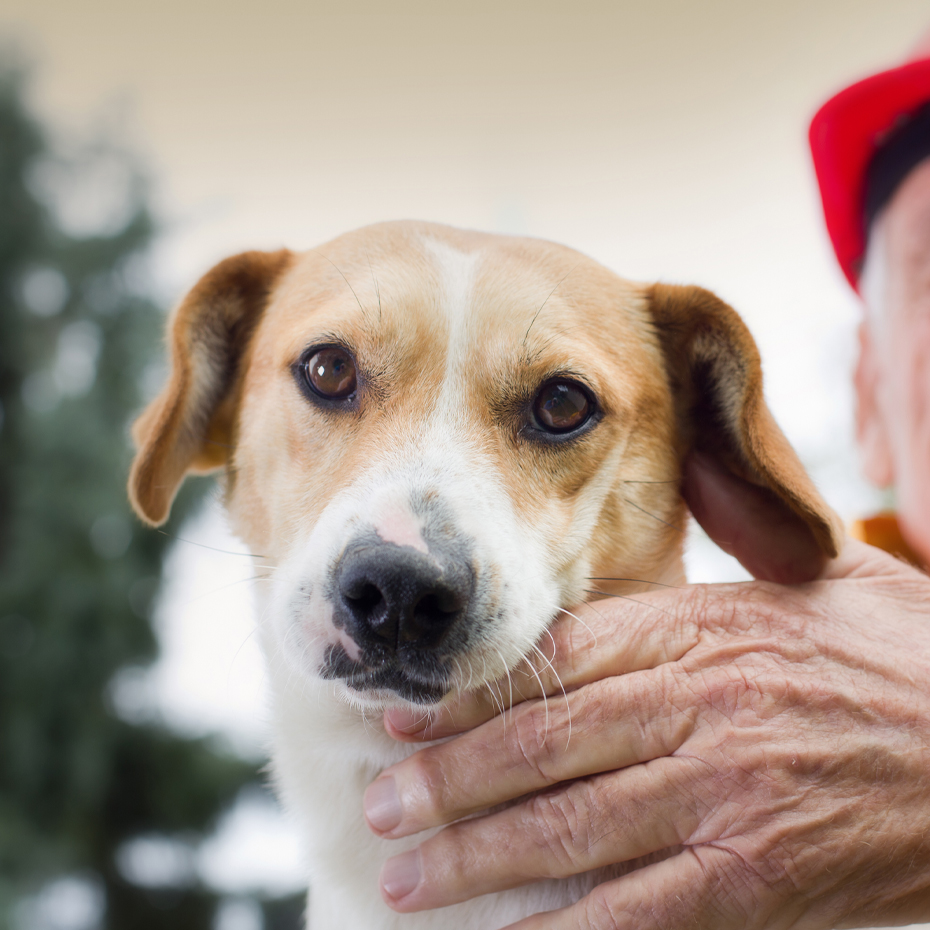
x,y
77,573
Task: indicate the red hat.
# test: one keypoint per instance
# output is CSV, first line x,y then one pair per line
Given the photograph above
x,y
844,135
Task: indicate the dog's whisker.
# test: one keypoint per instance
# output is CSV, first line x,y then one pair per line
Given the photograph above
x,y
672,526
555,648
471,672
496,696
374,281
509,688
558,679
191,542
505,705
661,584
626,597
547,663
504,708
543,304
225,587
578,620
459,674
344,278
545,697
252,632
649,481
497,680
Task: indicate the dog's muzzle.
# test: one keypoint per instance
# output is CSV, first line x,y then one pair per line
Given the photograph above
x,y
407,611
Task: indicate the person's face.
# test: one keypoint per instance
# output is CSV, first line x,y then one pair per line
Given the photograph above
x,y
893,376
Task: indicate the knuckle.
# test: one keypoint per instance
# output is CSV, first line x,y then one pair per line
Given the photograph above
x,y
728,609
718,689
428,774
599,910
455,857
703,608
560,821
735,885
533,737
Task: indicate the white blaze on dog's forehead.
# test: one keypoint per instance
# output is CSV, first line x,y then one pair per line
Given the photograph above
x,y
457,283
395,523
456,277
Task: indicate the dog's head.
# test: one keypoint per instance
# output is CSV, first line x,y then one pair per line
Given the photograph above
x,y
439,439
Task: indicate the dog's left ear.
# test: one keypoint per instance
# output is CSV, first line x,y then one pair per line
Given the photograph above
x,y
741,479
188,427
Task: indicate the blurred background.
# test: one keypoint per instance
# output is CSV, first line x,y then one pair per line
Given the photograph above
x,y
140,143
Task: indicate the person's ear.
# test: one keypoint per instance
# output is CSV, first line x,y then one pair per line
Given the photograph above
x,y
189,427
871,431
741,479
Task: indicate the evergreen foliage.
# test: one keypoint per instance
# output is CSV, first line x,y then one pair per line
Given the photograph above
x,y
78,573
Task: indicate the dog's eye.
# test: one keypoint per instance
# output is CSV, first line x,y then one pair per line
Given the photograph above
x,y
562,406
331,373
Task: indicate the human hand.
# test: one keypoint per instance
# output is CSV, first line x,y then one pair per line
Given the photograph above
x,y
775,740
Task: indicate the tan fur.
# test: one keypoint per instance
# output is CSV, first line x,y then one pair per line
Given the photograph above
x,y
715,369
453,333
604,320
188,427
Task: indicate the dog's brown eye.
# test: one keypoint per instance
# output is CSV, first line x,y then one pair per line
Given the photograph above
x,y
562,406
331,373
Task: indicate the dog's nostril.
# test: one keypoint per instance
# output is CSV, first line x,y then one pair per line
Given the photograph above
x,y
438,605
364,596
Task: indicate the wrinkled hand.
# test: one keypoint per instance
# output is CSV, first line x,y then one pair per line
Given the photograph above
x,y
775,740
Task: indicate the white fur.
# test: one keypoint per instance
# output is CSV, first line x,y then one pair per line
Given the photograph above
x,y
329,744
440,453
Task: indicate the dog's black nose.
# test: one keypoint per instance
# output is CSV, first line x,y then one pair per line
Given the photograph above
x,y
396,596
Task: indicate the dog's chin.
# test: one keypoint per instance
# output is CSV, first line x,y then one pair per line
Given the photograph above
x,y
384,684
394,688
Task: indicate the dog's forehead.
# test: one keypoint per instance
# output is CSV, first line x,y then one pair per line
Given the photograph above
x,y
418,284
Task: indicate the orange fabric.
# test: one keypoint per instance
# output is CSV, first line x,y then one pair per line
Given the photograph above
x,y
883,532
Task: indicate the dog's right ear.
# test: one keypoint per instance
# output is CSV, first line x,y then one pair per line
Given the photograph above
x,y
188,427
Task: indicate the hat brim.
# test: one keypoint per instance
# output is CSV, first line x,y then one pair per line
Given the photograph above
x,y
844,135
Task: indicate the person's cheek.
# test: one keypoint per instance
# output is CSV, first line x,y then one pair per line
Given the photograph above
x,y
913,467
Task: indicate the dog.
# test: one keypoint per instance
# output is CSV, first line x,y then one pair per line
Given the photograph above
x,y
435,439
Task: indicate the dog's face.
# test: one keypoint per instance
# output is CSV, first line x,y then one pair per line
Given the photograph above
x,y
429,446
440,439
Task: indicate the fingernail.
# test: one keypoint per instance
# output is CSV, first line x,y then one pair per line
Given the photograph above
x,y
406,721
401,875
382,805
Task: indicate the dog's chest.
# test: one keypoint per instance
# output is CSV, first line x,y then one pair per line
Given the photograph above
x,y
325,755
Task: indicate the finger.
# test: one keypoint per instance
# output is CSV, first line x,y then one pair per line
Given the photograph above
x,y
585,825
701,888
594,642
605,726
